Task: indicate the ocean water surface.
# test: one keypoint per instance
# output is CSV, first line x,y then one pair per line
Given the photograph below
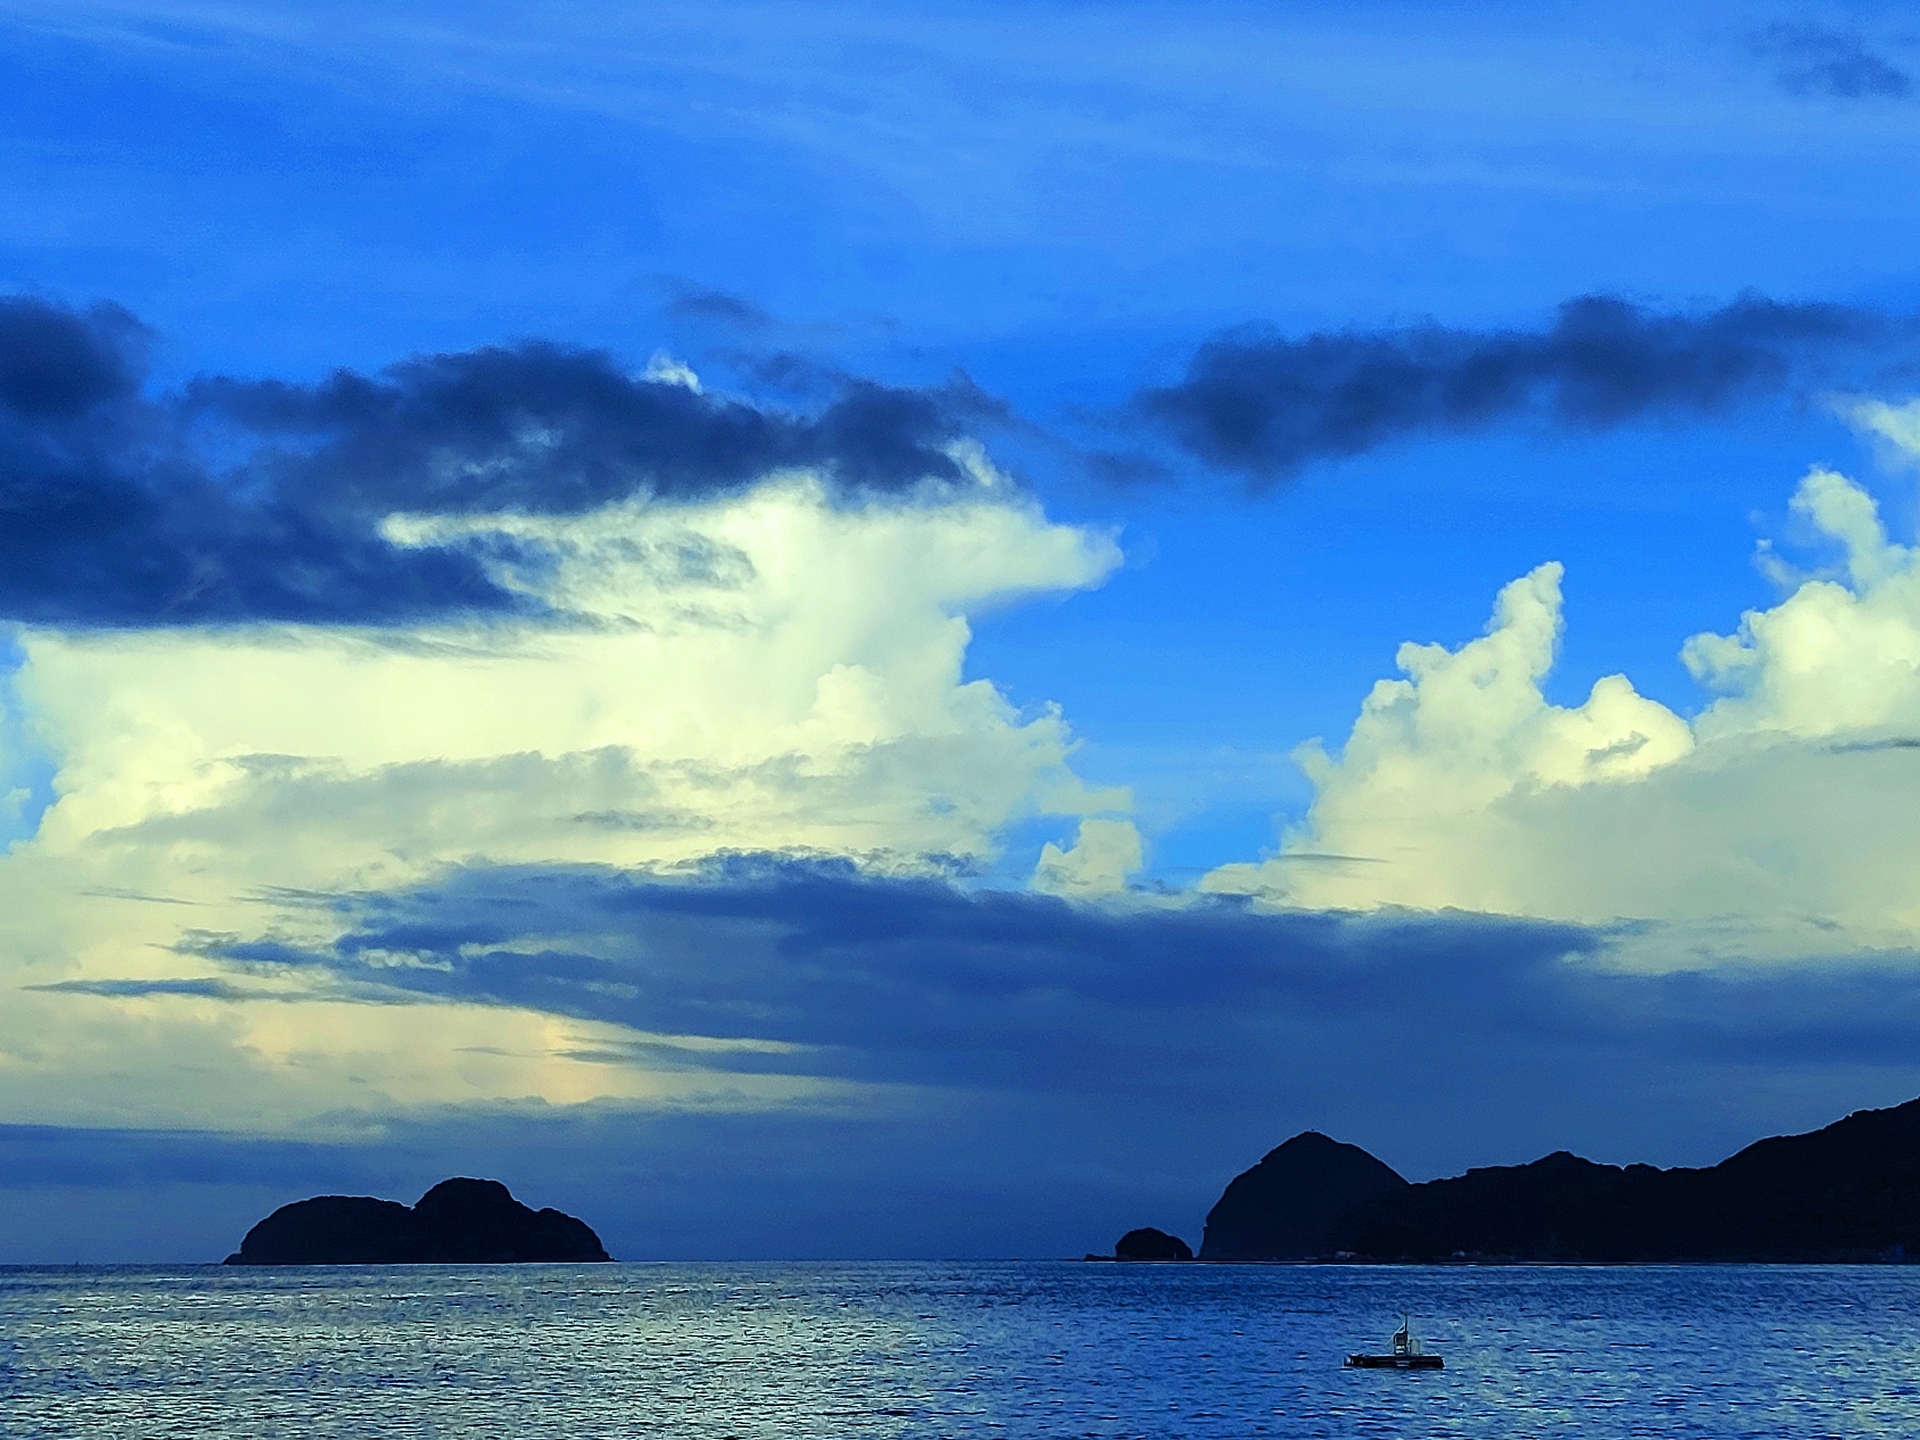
x,y
955,1349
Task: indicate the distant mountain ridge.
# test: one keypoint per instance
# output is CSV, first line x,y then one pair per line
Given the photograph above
x,y
1849,1192
459,1221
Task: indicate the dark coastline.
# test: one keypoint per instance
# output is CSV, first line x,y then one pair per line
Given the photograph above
x,y
1485,1262
1848,1194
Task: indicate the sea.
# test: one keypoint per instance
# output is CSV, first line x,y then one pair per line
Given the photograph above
x,y
955,1349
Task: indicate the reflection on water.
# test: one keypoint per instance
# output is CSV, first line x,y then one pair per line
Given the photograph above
x,y
957,1349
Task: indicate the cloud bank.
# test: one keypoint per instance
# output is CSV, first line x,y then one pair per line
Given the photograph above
x,y
815,968
772,670
1268,406
836,974
1816,60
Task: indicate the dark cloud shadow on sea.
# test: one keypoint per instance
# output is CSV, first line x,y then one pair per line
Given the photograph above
x,y
1265,405
240,500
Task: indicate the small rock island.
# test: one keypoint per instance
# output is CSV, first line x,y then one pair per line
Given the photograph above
x,y
457,1222
1151,1244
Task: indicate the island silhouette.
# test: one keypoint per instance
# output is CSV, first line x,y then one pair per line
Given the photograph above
x,y
1847,1193
458,1222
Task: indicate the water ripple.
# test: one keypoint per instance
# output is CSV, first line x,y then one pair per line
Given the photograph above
x,y
798,1351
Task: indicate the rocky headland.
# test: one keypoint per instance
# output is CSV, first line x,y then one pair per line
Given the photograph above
x,y
1847,1193
458,1221
1286,1205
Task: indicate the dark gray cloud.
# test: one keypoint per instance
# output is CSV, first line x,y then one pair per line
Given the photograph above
x,y
1268,406
200,988
923,983
1814,60
58,364
240,500
917,981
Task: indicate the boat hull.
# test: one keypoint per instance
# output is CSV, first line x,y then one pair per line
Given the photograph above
x,y
1395,1362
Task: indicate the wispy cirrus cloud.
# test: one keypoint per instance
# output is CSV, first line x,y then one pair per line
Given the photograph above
x,y
703,303
205,988
1817,60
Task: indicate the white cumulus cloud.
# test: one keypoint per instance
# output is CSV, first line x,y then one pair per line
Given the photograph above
x,y
1103,855
1784,819
775,670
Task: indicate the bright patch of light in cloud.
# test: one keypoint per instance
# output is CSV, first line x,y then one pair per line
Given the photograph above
x,y
775,671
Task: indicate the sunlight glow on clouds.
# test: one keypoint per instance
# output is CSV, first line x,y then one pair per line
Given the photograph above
x,y
770,671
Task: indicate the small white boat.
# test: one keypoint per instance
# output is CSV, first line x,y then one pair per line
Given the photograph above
x,y
1407,1354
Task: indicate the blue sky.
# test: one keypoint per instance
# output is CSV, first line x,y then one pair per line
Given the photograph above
x,y
1058,200
456,449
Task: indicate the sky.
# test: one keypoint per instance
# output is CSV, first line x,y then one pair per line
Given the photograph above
x,y
917,630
